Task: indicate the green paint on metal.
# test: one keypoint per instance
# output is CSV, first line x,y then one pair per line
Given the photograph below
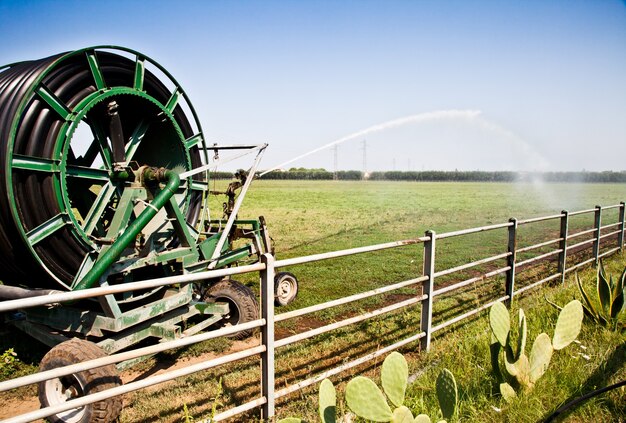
x,y
199,185
211,308
38,164
65,319
173,101
139,73
208,246
102,200
193,141
180,224
54,102
208,321
37,88
130,234
47,228
103,145
145,313
135,139
256,225
95,70
233,256
87,173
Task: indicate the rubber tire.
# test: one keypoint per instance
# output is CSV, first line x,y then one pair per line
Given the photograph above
x,y
280,277
241,299
91,381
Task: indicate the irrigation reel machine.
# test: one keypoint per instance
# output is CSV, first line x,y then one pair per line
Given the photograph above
x,y
104,181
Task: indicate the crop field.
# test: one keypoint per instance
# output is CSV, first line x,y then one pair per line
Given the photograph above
x,y
312,217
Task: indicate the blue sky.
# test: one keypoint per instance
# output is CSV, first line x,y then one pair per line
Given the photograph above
x,y
548,77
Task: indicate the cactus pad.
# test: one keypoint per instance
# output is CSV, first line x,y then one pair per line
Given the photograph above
x,y
327,402
540,356
402,415
422,418
568,325
500,322
520,369
366,400
507,392
394,377
447,393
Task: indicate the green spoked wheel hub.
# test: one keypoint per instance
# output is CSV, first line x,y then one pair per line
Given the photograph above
x,y
58,193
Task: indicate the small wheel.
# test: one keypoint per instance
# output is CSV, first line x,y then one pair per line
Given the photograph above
x,y
285,288
242,302
59,390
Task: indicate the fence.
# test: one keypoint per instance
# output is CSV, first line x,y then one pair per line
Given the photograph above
x,y
267,269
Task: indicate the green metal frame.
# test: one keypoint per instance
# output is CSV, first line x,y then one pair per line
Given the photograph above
x,y
72,117
120,325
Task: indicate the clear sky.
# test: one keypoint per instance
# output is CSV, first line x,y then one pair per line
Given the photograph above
x,y
509,84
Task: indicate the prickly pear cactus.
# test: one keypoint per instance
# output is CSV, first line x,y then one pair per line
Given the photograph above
x,y
394,377
402,415
500,323
540,356
526,371
447,393
568,325
507,392
327,402
422,418
366,400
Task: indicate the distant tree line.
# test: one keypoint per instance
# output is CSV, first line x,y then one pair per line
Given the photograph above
x,y
439,175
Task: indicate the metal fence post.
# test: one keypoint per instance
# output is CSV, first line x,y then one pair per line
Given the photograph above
x,y
267,336
510,274
620,236
597,224
563,244
428,289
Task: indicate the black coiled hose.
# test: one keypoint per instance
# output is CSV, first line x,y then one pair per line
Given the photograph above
x,y
30,127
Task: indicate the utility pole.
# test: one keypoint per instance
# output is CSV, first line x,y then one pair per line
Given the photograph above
x,y
335,164
408,165
394,164
364,158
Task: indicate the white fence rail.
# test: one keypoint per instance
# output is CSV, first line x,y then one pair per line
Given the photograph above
x,y
267,269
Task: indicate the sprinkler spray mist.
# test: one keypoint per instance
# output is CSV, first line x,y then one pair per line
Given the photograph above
x,y
470,116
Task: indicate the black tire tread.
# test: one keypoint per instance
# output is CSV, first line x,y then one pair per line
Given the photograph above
x,y
75,351
241,295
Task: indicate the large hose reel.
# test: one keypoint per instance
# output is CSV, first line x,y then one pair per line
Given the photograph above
x,y
65,121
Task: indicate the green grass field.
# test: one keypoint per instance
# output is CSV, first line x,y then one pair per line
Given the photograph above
x,y
313,217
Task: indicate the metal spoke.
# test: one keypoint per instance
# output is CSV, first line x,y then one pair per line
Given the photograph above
x,y
95,70
87,173
54,102
38,164
173,101
97,209
103,144
135,139
47,228
139,73
193,141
